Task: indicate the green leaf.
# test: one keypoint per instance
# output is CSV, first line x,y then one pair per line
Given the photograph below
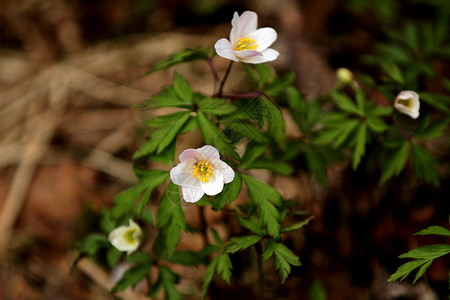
x,y
213,136
171,218
376,124
229,193
224,267
404,270
169,279
124,201
296,226
140,258
167,119
395,162
265,197
360,99
215,106
275,121
182,88
209,274
441,102
427,252
217,238
112,257
316,163
167,97
252,224
280,84
437,230
181,57
131,277
433,130
161,138
360,147
270,164
345,103
187,258
284,258
167,156
92,243
393,71
380,111
150,179
251,154
422,271
424,165
261,74
236,244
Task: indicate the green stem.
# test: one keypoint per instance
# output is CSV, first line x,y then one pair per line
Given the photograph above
x,y
203,225
222,83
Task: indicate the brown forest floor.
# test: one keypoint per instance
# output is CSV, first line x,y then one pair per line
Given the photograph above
x,y
68,83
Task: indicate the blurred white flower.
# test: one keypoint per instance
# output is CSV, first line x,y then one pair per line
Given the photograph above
x,y
407,102
126,238
201,172
344,75
248,44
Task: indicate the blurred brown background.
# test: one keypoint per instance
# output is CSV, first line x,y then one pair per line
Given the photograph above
x,y
70,73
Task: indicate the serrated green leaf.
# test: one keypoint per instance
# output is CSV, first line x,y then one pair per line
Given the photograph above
x,y
376,124
422,271
213,136
424,165
360,147
167,97
167,156
277,127
251,154
169,279
124,201
236,244
167,119
182,87
162,137
296,226
395,162
209,274
150,179
224,267
437,230
180,57
275,166
252,224
187,258
264,197
215,106
217,238
284,258
404,270
280,84
261,74
229,193
170,207
345,103
427,252
112,257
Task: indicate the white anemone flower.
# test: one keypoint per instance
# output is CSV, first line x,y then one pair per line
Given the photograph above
x,y
407,102
248,44
201,172
126,238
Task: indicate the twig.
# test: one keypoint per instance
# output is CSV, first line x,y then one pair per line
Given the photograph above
x,y
222,83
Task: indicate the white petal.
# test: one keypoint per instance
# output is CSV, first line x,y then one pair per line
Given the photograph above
x,y
224,49
264,37
118,240
182,174
227,171
247,54
243,25
209,152
187,154
267,55
191,194
214,185
412,111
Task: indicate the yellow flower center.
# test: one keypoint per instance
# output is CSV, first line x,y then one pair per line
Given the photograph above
x,y
202,170
406,102
129,236
245,44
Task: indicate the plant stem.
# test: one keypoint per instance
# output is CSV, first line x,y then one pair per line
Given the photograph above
x,y
258,248
222,83
214,72
402,130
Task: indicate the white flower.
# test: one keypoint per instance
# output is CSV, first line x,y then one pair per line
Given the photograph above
x,y
407,102
248,44
126,238
201,172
